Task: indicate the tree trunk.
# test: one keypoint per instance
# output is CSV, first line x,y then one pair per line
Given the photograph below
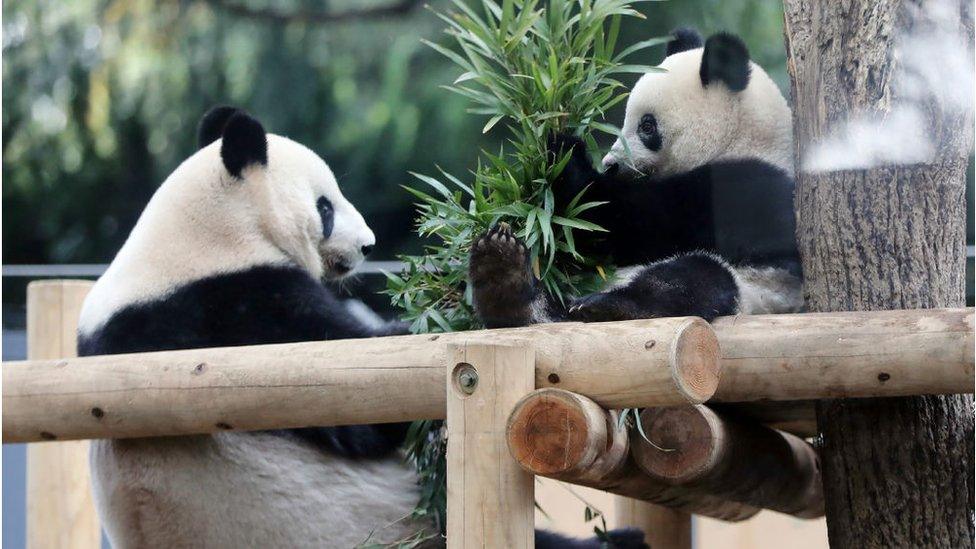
x,y
898,472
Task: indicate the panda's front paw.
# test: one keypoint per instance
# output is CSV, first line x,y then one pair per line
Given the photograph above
x,y
603,307
499,257
502,284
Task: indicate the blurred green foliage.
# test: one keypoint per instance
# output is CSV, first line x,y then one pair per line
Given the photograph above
x,y
101,100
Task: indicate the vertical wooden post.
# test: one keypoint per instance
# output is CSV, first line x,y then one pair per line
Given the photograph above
x,y
489,497
664,528
60,509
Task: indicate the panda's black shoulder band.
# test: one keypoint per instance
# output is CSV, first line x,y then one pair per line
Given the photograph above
x,y
244,143
212,124
685,38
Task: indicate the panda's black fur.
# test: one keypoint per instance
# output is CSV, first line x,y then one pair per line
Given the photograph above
x,y
259,304
685,230
262,305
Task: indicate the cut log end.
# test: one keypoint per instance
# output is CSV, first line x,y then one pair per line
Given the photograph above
x,y
695,362
685,435
555,433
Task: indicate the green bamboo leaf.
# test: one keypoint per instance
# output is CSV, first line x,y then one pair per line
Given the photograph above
x,y
491,122
577,224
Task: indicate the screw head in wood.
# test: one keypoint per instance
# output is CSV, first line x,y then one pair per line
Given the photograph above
x,y
466,378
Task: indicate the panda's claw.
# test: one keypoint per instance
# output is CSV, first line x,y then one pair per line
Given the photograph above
x,y
501,277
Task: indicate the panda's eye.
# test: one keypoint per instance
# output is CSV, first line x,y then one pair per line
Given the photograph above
x,y
327,214
324,204
648,124
648,133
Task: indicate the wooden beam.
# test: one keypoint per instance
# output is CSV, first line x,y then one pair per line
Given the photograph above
x,y
664,528
627,364
643,363
568,437
730,458
846,355
60,509
490,500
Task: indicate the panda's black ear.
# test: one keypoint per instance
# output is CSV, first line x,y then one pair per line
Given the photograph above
x,y
244,144
725,59
212,124
685,38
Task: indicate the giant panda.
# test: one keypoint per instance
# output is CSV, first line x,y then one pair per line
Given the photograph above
x,y
698,193
230,251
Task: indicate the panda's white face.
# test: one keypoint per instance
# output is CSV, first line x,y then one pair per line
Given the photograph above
x,y
303,211
245,199
678,120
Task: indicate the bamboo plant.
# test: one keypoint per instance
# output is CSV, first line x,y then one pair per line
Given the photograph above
x,y
533,70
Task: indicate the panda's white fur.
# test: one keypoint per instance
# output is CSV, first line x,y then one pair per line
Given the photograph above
x,y
231,489
247,490
202,221
704,124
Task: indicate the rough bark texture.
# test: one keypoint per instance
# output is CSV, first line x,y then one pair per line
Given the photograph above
x,y
898,472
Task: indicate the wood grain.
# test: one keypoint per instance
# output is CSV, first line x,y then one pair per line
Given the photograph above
x,y
622,364
490,500
897,471
60,510
557,435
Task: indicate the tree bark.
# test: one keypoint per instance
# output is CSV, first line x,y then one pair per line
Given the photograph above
x,y
898,472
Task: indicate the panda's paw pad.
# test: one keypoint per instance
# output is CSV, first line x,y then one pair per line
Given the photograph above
x,y
601,307
498,255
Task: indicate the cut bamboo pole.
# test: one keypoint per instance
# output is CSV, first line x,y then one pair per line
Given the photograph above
x,y
568,437
846,355
627,364
490,500
664,528
60,509
730,458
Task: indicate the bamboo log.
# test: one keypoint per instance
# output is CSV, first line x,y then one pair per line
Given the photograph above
x,y
730,458
490,500
568,437
626,364
846,355
60,509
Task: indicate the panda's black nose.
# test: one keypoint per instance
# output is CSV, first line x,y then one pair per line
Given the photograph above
x,y
366,249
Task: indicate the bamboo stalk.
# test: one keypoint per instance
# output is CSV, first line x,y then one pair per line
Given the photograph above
x,y
568,437
730,458
637,363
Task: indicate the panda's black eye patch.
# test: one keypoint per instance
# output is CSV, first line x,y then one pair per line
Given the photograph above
x,y
327,213
648,132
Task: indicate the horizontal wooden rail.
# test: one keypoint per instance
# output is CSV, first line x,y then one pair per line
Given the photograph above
x,y
730,458
846,355
568,437
626,364
659,362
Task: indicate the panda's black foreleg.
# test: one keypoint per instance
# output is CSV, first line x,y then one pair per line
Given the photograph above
x,y
621,538
693,284
505,291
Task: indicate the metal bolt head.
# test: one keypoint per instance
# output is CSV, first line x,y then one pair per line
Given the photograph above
x,y
466,377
